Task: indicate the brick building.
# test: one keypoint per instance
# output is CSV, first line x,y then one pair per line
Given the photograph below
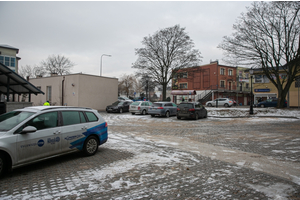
x,y
208,82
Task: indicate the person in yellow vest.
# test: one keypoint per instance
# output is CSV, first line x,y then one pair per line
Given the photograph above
x,y
47,103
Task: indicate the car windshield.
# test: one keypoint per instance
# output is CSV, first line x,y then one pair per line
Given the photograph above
x,y
186,105
125,98
157,105
116,103
12,119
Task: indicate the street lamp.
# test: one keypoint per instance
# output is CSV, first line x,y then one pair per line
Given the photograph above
x,y
251,94
147,79
101,62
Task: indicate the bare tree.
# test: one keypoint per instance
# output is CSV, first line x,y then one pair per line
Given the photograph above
x,y
267,37
165,52
58,64
126,84
31,72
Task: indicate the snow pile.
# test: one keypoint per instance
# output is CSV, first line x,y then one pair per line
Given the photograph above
x,y
257,112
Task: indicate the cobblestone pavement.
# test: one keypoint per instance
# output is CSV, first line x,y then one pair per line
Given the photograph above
x,y
166,158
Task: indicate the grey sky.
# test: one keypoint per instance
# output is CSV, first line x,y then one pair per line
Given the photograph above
x,y
83,31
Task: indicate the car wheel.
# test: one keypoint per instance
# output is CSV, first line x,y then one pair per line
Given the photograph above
x,y
226,105
152,115
209,105
167,114
90,146
262,105
3,164
132,113
178,117
205,116
144,112
121,110
196,116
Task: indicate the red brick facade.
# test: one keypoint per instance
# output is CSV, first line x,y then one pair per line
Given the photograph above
x,y
212,76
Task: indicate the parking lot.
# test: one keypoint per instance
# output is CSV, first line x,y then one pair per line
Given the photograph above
x,y
167,158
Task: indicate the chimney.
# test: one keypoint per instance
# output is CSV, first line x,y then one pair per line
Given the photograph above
x,y
54,74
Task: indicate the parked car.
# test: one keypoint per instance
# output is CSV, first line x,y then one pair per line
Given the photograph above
x,y
139,99
221,102
124,99
163,109
194,110
36,133
118,106
270,103
140,107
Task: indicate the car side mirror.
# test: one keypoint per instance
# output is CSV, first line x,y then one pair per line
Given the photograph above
x,y
28,129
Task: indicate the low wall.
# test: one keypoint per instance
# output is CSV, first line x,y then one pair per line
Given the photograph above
x,y
10,106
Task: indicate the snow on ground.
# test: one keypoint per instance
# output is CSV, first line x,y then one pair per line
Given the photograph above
x,y
257,112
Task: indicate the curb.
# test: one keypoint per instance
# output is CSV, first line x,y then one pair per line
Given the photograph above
x,y
290,117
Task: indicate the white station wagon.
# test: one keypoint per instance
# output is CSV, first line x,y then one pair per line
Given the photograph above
x,y
35,133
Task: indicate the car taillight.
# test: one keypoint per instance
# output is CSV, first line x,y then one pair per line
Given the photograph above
x,y
230,101
178,109
105,124
139,108
192,109
160,108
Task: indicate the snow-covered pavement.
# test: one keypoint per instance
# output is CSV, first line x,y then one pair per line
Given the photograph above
x,y
226,156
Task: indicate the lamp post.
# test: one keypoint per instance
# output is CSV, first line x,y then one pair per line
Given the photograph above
x,y
147,79
101,62
251,94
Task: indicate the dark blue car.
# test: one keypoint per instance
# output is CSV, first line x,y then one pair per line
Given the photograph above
x,y
270,103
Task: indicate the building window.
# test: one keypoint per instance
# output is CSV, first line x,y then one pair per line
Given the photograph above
x,y
230,72
8,61
247,85
222,71
222,84
182,75
48,93
183,85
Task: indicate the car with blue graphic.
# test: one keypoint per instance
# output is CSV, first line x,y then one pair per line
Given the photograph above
x,y
36,133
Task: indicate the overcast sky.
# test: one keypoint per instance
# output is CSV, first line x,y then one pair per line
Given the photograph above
x,y
83,31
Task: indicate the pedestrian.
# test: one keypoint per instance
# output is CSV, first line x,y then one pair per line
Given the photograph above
x,y
47,103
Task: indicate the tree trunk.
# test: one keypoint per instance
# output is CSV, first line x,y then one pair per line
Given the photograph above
x,y
164,91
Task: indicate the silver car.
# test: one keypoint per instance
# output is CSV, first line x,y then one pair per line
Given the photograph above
x,y
36,133
166,109
221,102
140,107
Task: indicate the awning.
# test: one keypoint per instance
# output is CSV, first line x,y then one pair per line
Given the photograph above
x,y
13,83
183,92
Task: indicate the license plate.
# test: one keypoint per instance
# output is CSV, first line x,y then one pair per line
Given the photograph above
x,y
132,106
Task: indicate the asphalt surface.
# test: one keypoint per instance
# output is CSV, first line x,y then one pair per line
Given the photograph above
x,y
240,158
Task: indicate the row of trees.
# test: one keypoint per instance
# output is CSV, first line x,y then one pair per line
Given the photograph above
x,y
131,84
54,64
